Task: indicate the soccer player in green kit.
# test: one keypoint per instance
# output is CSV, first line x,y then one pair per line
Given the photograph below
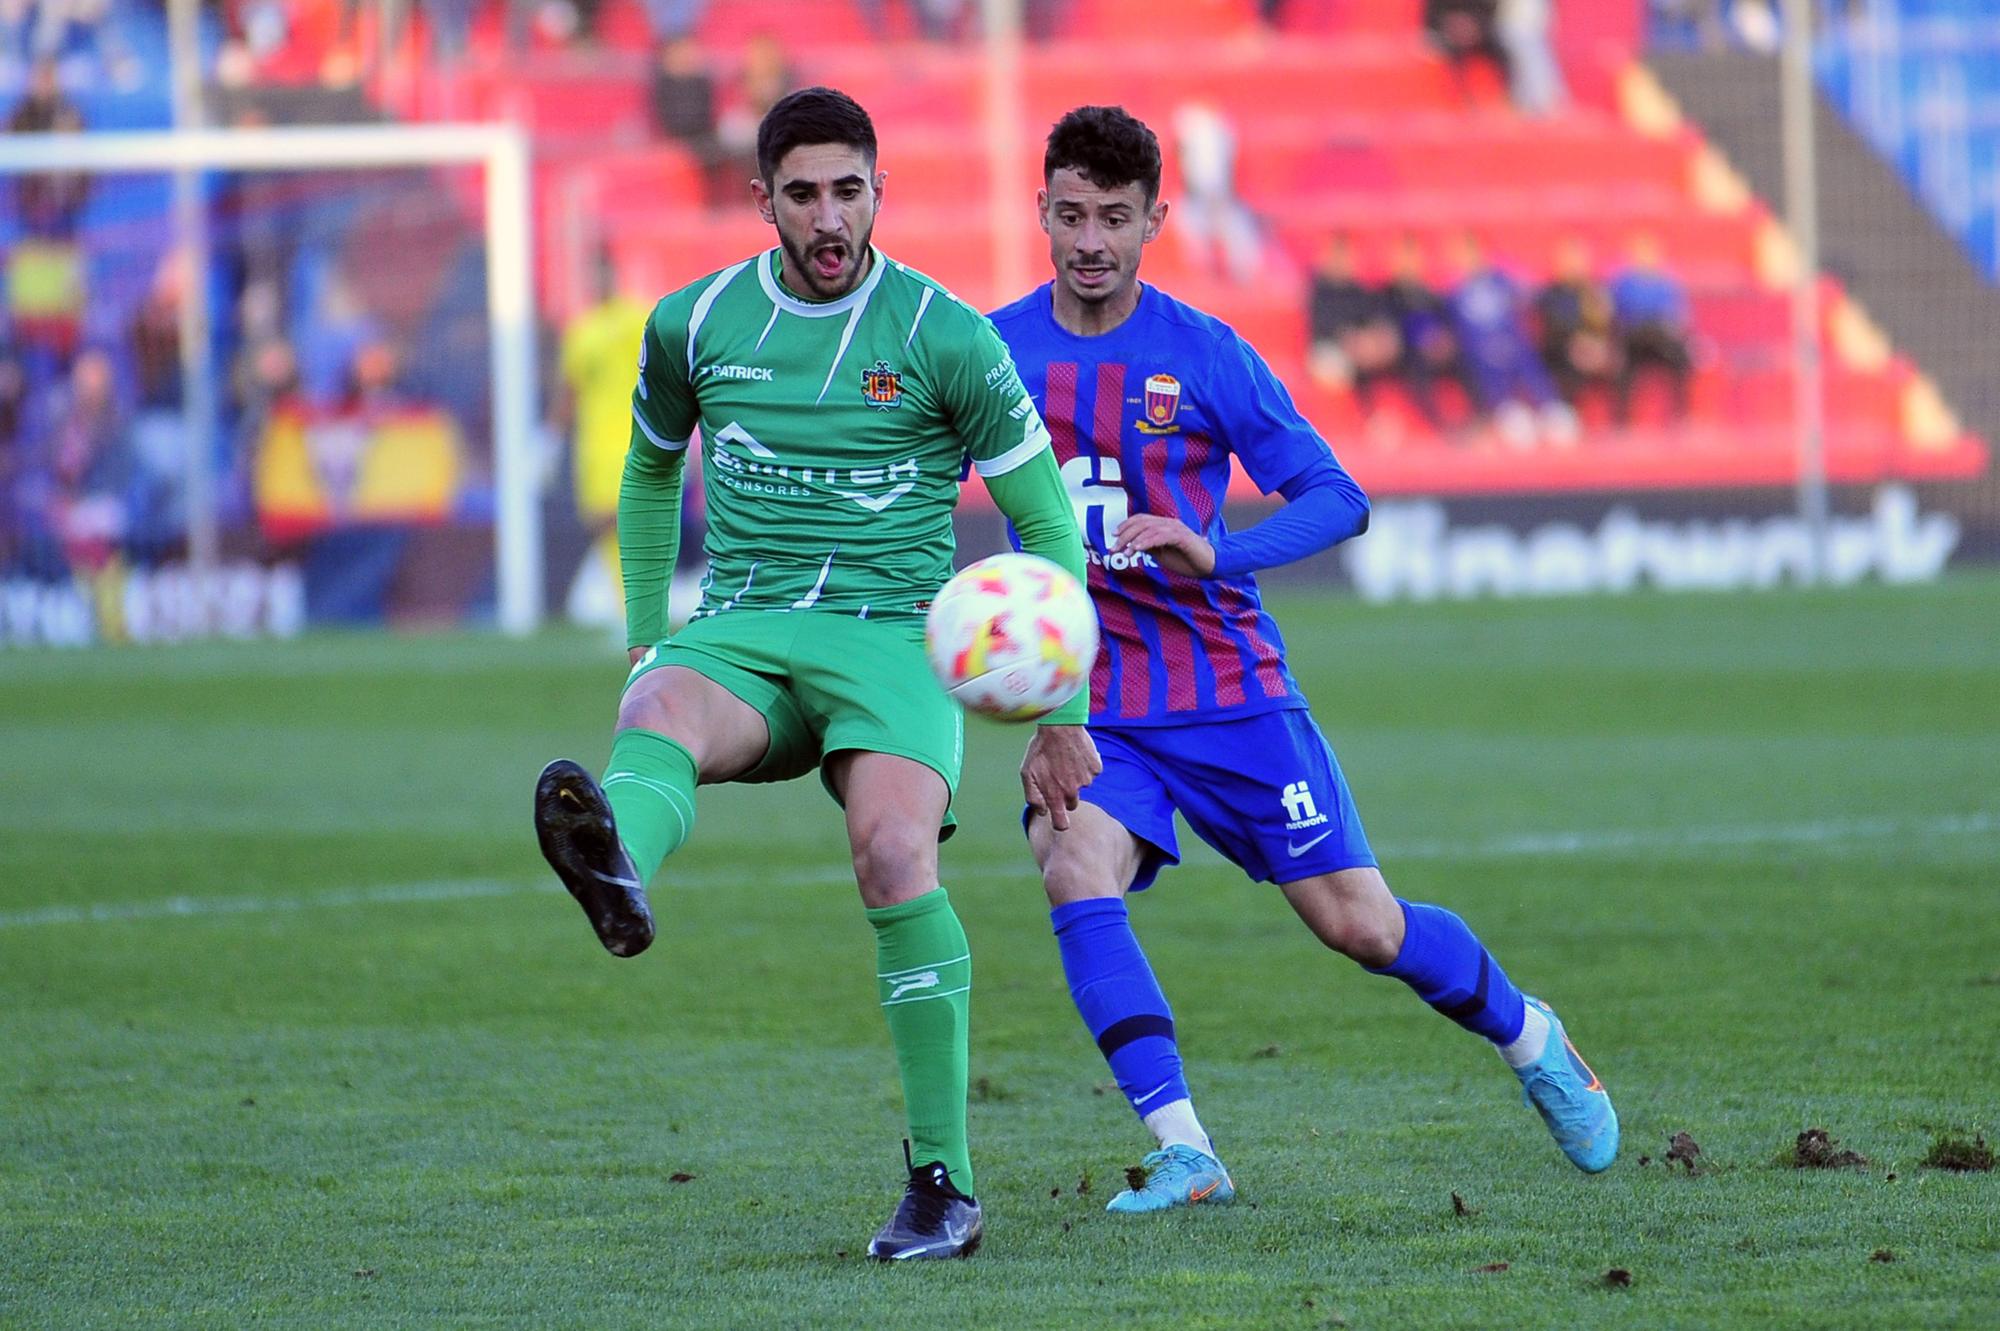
x,y
839,397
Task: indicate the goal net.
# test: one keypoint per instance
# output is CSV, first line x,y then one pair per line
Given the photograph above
x,y
257,379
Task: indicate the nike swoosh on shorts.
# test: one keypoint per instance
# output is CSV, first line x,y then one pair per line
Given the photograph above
x,y
1296,851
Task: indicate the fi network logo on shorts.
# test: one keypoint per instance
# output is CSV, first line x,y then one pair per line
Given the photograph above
x,y
1300,808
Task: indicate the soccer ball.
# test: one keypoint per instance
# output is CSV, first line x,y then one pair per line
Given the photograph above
x,y
1012,637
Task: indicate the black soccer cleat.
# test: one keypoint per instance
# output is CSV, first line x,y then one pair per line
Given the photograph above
x,y
580,842
934,1219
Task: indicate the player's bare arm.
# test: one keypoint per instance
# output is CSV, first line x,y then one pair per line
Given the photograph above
x,y
1059,763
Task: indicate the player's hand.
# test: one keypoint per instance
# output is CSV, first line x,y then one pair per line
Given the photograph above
x,y
1178,547
1060,761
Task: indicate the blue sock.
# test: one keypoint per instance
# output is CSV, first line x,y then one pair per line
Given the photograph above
x,y
1120,1001
1450,969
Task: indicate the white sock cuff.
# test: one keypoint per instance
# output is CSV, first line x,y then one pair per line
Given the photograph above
x,y
1176,1125
1531,1043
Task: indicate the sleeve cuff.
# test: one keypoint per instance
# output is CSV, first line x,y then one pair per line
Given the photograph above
x,y
670,445
1017,456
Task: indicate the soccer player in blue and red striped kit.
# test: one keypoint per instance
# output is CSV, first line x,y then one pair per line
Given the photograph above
x,y
1192,707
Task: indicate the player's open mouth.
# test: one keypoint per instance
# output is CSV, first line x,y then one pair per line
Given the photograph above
x,y
1090,274
828,260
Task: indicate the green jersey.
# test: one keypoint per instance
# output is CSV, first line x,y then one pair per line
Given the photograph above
x,y
834,435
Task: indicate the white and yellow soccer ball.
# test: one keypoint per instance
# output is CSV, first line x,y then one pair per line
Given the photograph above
x,y
1012,637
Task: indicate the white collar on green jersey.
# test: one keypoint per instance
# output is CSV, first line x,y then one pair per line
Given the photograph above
x,y
785,300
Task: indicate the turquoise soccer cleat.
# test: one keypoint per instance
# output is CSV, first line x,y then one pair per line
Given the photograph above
x,y
1571,1100
1176,1176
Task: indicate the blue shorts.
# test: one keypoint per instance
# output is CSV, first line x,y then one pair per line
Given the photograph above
x,y
1263,790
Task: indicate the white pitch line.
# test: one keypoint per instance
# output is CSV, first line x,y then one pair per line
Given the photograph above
x,y
1825,832
1780,834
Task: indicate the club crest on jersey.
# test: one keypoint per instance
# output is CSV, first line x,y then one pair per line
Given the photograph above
x,y
881,386
1163,404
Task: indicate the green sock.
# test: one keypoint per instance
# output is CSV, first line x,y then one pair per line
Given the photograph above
x,y
650,782
924,972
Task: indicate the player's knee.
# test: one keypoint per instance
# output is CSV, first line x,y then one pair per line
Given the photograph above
x,y
895,860
1078,871
1361,935
1064,879
1353,913
648,708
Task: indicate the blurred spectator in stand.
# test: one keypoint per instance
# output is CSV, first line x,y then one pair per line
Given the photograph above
x,y
684,109
595,402
13,402
333,332
44,268
1536,82
375,381
50,202
13,405
1651,309
935,20
674,19
1686,25
1490,312
450,23
1464,31
158,430
265,380
764,78
1355,342
89,472
156,337
77,34
1579,335
1423,322
1211,215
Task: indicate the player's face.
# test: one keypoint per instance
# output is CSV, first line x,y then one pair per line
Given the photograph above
x,y
822,198
1095,234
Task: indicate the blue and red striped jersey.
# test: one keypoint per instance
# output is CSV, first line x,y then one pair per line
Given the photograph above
x,y
1145,419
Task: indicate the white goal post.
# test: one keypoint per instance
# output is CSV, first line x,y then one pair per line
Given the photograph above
x,y
502,150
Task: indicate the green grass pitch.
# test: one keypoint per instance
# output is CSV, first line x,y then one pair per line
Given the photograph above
x,y
294,1031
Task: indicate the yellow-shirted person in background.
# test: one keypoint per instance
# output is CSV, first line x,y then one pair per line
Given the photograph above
x,y
597,370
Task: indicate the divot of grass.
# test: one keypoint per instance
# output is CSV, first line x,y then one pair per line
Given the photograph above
x,y
1959,1155
1818,1149
1685,1150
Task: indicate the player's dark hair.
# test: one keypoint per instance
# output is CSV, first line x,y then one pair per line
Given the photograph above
x,y
1106,145
812,116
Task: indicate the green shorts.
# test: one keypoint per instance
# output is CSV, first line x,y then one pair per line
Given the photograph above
x,y
824,682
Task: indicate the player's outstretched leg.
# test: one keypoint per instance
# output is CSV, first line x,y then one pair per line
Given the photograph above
x,y
1435,953
579,838
650,782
